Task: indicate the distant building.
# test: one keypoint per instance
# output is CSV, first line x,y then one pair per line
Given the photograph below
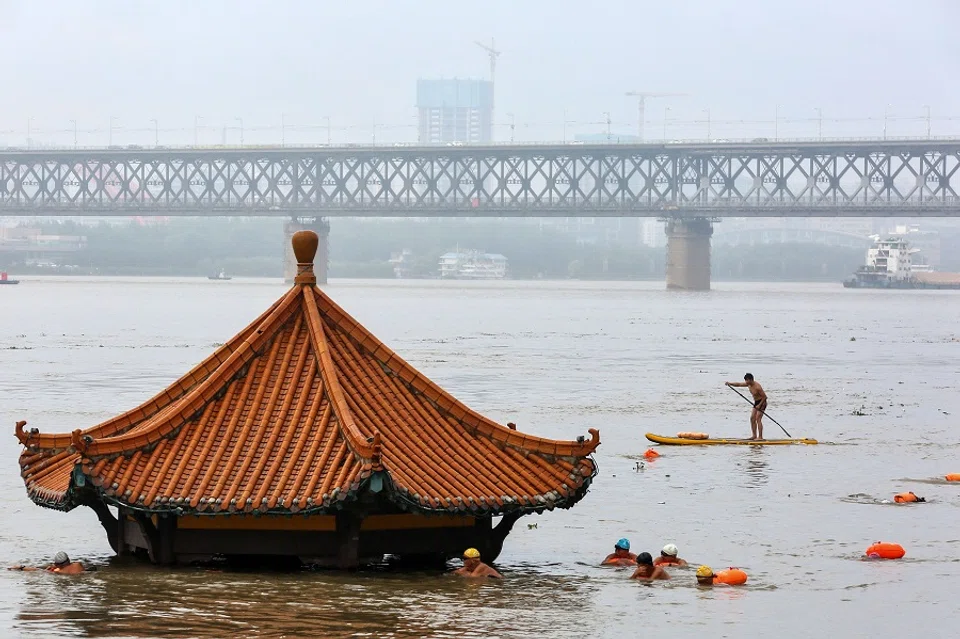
x,y
455,111
653,233
401,263
473,265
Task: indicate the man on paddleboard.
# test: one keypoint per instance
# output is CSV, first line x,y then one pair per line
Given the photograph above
x,y
759,404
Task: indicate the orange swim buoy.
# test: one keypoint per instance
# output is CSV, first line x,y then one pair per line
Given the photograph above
x,y
885,550
731,577
952,477
905,498
651,454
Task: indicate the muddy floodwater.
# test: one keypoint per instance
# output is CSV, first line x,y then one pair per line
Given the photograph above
x,y
873,375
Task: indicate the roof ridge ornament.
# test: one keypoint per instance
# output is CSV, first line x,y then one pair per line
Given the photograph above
x,y
305,245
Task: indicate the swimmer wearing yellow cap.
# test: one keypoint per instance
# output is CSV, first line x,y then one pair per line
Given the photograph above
x,y
473,567
705,576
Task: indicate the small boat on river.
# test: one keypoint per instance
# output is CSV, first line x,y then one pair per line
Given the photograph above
x,y
685,441
219,276
6,280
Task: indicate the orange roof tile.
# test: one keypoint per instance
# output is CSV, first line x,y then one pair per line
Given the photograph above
x,y
300,411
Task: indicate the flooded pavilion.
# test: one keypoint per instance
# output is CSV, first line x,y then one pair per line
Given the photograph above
x,y
304,436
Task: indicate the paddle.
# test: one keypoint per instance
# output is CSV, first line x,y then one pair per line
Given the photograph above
x,y
746,399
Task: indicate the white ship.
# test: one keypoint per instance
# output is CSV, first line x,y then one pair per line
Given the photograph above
x,y
890,265
473,265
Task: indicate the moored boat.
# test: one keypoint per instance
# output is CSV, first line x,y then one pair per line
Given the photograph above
x,y
4,279
219,276
889,265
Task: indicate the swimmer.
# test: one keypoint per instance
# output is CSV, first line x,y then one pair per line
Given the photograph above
x,y
646,571
705,576
473,567
759,404
621,555
61,565
668,557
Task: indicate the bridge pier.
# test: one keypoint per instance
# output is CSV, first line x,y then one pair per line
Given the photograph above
x,y
322,228
688,254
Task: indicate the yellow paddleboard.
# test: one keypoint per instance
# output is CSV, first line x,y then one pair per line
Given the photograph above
x,y
679,441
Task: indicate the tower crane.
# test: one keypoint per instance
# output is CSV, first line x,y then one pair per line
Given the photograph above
x,y
642,104
494,54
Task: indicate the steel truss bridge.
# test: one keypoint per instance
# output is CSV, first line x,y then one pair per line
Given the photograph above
x,y
849,178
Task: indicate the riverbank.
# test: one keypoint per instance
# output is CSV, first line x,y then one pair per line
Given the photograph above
x,y
364,248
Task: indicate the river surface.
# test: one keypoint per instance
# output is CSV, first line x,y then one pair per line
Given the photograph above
x,y
873,373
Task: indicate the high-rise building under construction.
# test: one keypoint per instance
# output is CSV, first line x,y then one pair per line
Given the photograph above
x,y
455,111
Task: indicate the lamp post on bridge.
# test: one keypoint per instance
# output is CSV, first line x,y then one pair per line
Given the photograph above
x,y
513,125
327,118
156,132
29,122
240,120
666,111
819,122
927,107
886,115
283,129
707,111
776,123
196,130
74,123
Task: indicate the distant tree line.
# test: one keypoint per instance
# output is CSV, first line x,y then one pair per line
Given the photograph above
x,y
358,248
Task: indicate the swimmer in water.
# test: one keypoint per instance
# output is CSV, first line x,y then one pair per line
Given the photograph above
x,y
668,557
473,567
705,576
759,404
621,555
646,571
61,565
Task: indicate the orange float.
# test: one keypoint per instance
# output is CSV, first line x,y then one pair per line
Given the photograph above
x,y
651,454
731,577
952,477
905,498
690,435
885,550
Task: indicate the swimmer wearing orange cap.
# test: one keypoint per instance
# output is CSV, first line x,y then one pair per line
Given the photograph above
x,y
473,567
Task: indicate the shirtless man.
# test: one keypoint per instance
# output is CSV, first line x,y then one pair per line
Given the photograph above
x,y
668,557
646,571
61,565
759,404
621,555
473,567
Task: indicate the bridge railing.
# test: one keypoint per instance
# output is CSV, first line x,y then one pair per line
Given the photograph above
x,y
613,141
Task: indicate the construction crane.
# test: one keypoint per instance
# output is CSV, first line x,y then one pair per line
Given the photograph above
x,y
494,54
642,104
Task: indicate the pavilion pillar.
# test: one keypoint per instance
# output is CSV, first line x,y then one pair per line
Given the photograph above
x,y
688,254
348,540
321,226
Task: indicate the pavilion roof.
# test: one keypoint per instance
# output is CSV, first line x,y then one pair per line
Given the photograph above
x,y
302,411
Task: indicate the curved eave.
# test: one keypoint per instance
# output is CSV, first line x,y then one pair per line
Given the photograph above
x,y
335,501
36,440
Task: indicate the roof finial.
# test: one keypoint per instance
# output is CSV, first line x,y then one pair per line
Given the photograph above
x,y
305,245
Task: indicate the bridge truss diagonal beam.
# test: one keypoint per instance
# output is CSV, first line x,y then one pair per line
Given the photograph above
x,y
902,178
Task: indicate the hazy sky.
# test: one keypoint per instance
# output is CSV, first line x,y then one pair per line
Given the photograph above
x,y
357,62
